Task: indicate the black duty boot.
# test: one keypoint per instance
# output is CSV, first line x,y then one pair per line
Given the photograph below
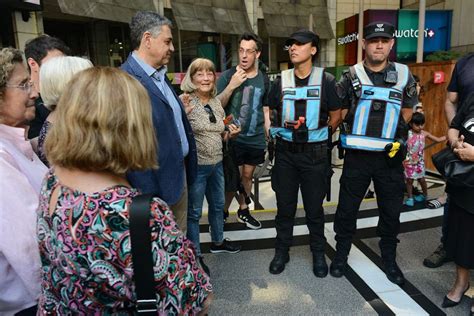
x,y
338,266
388,250
393,272
320,267
278,263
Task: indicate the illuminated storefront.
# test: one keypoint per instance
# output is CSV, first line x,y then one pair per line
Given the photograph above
x,y
437,34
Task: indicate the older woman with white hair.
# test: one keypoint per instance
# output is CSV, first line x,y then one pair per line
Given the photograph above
x,y
21,176
206,116
54,79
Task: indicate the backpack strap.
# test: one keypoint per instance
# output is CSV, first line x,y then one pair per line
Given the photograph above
x,y
356,84
142,256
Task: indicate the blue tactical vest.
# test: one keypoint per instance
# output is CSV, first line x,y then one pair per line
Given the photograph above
x,y
312,95
390,97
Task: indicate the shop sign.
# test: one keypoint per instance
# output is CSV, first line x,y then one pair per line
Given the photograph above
x,y
437,34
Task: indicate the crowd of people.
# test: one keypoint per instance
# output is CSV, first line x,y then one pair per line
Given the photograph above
x,y
102,136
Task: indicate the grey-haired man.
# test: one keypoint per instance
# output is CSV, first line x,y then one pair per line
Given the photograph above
x,y
152,44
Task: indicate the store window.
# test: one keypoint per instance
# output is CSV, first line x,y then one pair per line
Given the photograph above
x,y
119,44
74,34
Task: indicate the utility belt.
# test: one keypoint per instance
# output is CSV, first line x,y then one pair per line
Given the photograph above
x,y
318,148
298,132
365,153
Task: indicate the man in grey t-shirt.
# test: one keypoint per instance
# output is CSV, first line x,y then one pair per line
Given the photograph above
x,y
242,91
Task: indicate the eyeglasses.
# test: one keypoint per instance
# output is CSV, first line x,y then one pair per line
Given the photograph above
x,y
212,117
246,51
24,86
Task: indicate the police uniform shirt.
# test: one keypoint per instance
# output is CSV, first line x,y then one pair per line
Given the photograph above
x,y
344,87
329,98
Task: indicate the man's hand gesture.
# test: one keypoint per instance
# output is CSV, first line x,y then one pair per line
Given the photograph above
x,y
238,78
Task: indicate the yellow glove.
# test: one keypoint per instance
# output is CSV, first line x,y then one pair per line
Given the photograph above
x,y
393,151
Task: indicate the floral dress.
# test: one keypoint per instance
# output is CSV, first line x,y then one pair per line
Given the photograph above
x,y
41,139
415,161
86,259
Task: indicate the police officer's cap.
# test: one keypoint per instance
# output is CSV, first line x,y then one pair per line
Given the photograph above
x,y
379,29
303,37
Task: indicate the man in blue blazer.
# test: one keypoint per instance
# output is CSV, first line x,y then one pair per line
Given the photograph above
x,y
152,42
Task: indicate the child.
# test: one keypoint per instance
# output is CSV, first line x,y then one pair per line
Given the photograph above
x,y
414,163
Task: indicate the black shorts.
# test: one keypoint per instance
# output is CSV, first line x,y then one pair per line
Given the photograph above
x,y
245,155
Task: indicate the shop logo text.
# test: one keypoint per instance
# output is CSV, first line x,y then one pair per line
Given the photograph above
x,y
349,38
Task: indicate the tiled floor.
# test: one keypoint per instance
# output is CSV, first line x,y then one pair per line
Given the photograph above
x,y
243,285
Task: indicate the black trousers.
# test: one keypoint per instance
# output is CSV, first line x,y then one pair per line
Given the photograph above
x,y
309,171
359,168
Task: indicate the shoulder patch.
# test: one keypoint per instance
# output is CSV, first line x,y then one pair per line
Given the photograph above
x,y
410,90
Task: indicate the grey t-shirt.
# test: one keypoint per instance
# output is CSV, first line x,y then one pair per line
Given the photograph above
x,y
246,104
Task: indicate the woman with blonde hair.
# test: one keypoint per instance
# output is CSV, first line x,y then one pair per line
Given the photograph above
x,y
54,79
103,129
206,116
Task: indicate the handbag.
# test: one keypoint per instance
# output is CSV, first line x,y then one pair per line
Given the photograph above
x,y
142,256
457,172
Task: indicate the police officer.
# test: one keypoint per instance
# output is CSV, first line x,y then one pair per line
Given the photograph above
x,y
377,100
304,103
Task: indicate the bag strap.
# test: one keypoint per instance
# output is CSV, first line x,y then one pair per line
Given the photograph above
x,y
142,257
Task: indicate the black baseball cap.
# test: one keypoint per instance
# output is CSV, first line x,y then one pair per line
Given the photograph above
x,y
303,37
379,29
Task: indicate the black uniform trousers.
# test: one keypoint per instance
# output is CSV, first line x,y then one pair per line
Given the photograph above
x,y
307,167
359,168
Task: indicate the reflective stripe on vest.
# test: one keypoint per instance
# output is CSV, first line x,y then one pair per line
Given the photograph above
x,y
312,95
392,97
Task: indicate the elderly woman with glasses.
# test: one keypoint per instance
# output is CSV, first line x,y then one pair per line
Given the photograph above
x,y
206,117
21,175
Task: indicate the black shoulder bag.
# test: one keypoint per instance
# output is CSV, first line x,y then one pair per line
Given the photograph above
x,y
142,257
457,173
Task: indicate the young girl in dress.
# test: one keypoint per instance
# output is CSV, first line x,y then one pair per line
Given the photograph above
x,y
415,163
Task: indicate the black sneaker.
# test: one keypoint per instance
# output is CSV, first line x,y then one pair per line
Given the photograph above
x,y
226,246
204,266
437,258
244,217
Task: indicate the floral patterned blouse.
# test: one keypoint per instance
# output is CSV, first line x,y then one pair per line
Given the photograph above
x,y
206,133
86,256
41,139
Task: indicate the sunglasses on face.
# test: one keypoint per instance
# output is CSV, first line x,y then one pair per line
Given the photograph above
x,y
212,117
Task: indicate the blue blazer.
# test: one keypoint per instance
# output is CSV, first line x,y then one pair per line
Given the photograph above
x,y
167,181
